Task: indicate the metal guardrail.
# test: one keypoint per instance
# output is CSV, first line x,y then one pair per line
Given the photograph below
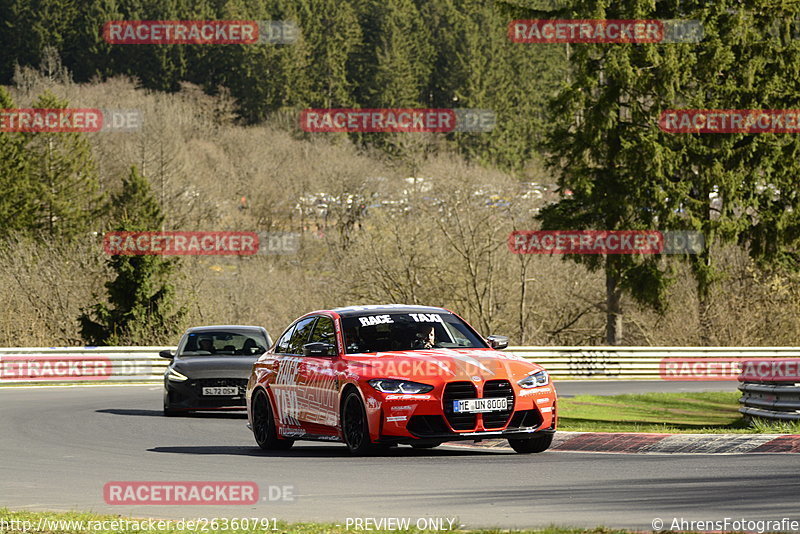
x,y
666,363
128,364
771,389
81,364
770,400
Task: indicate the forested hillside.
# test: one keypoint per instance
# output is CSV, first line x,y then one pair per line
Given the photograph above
x,y
350,53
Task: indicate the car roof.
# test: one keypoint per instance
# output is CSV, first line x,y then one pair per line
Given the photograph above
x,y
228,327
351,311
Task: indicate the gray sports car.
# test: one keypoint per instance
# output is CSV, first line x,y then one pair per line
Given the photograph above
x,y
211,366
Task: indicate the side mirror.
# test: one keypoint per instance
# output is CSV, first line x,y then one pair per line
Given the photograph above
x,y
498,342
319,349
166,354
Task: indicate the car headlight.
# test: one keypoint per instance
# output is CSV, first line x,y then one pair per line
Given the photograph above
x,y
175,376
387,385
535,380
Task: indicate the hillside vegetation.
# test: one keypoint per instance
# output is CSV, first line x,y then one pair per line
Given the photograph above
x,y
439,239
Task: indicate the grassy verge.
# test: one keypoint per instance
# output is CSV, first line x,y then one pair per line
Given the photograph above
x,y
83,523
705,413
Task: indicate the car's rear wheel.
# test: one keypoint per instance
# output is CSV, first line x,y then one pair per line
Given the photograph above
x,y
355,428
528,445
264,428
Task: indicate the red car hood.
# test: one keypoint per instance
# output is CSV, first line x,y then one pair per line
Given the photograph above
x,y
441,364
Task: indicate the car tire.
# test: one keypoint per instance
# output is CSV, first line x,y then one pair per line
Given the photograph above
x,y
169,412
264,429
528,445
355,428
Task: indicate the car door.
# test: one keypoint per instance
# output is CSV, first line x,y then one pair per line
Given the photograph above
x,y
319,383
284,386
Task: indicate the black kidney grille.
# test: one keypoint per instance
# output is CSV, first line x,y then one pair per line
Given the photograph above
x,y
494,389
458,391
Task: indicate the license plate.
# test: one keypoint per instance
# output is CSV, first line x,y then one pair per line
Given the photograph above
x,y
226,390
480,405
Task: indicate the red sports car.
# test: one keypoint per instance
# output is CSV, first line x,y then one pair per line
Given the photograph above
x,y
375,376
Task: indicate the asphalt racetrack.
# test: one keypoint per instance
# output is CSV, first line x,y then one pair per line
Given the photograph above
x,y
59,446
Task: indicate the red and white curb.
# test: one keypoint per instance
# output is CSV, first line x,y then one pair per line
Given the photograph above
x,y
631,443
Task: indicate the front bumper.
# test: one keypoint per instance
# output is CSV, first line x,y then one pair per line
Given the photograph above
x,y
428,417
511,433
188,395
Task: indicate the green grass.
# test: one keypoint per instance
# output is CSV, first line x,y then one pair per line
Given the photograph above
x,y
703,413
8,517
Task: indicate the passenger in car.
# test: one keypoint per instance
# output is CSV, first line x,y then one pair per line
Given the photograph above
x,y
249,346
207,345
426,337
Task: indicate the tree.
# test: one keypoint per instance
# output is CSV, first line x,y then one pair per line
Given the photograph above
x,y
27,28
263,77
331,33
485,70
391,68
606,148
627,174
65,176
139,297
740,65
17,203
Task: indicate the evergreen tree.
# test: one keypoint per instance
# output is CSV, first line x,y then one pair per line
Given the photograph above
x,y
753,176
65,177
331,34
87,55
513,80
392,69
400,53
30,27
139,297
626,174
604,145
17,203
263,77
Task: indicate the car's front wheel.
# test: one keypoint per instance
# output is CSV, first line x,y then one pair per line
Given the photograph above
x,y
168,411
355,428
264,428
528,445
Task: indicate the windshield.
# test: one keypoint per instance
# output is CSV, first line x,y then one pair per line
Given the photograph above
x,y
223,343
407,331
